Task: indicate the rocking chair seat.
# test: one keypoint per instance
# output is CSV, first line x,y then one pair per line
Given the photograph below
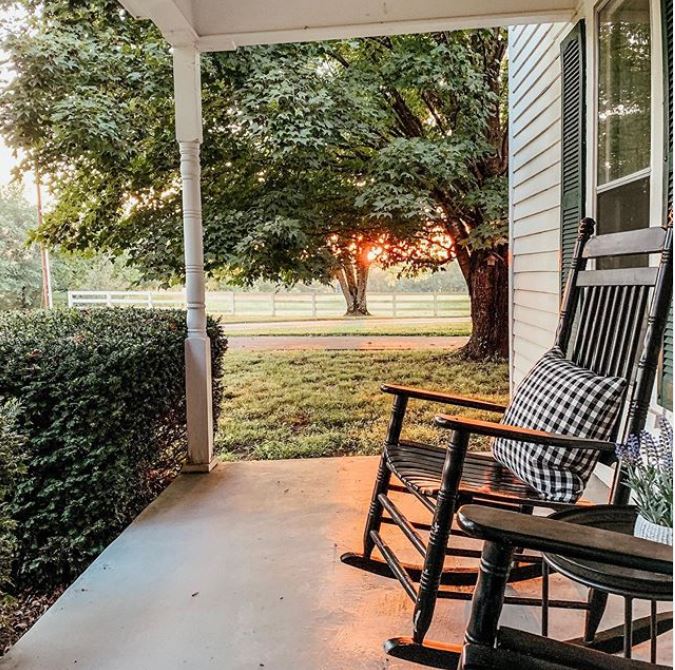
x,y
419,467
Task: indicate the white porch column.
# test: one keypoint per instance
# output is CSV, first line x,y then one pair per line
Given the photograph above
x,y
187,90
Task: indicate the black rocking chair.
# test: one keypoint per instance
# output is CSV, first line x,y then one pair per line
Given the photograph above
x,y
612,322
487,646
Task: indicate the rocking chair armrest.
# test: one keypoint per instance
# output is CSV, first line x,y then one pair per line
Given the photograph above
x,y
493,429
444,398
565,538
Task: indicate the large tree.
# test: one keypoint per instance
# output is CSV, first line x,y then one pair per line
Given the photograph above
x,y
317,158
445,158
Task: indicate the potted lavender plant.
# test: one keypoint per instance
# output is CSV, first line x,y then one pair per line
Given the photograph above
x,y
649,463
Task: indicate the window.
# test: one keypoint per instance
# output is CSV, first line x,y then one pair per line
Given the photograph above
x,y
624,110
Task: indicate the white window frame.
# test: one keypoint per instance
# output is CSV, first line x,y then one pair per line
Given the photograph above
x,y
656,166
657,139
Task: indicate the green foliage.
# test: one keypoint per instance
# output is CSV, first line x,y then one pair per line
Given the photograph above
x,y
11,466
88,271
20,268
624,83
19,262
310,150
648,460
87,75
103,410
652,488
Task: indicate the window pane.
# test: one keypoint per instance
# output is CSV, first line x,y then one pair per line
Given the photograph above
x,y
624,88
624,208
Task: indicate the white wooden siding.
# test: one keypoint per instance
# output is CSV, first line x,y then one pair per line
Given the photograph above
x,y
534,180
534,84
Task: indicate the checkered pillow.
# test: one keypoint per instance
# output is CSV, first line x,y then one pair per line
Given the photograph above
x,y
559,397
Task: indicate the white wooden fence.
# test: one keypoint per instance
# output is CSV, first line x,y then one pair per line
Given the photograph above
x,y
137,298
282,304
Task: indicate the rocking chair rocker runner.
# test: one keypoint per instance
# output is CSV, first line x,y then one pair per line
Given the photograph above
x,y
604,318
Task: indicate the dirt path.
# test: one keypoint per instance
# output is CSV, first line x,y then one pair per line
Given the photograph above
x,y
342,342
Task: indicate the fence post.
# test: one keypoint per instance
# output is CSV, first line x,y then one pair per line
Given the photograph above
x,y
314,304
274,303
435,303
393,304
150,300
70,298
234,303
108,299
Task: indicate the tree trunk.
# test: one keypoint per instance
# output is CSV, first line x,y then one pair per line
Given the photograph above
x,y
488,283
354,282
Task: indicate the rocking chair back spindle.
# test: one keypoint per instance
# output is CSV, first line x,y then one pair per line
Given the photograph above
x,y
607,314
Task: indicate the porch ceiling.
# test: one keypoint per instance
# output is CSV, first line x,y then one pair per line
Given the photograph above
x,y
218,25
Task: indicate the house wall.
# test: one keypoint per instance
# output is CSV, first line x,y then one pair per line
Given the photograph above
x,y
534,173
534,90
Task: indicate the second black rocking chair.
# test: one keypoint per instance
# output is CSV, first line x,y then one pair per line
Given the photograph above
x,y
488,645
611,322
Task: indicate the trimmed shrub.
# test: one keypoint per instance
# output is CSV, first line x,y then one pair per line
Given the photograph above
x,y
102,396
11,459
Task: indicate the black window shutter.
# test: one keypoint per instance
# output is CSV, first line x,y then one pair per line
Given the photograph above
x,y
573,141
666,372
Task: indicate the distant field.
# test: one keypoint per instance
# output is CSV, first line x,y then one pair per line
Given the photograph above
x,y
362,327
243,320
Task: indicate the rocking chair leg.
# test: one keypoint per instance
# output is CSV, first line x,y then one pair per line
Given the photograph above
x,y
440,532
597,602
374,518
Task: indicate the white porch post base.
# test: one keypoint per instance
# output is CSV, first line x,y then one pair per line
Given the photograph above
x,y
197,345
199,407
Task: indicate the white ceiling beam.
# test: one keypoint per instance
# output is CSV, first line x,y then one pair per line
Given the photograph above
x,y
230,41
200,23
174,21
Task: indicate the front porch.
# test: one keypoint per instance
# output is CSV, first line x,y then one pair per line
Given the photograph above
x,y
240,570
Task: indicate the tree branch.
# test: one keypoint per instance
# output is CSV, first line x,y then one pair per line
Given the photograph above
x,y
426,97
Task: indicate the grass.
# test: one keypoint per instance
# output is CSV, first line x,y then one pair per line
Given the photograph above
x,y
239,319
396,327
305,404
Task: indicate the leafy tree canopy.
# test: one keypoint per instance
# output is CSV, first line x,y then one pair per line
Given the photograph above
x,y
19,262
20,265
317,158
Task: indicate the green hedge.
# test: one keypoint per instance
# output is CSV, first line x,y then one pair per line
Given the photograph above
x,y
11,461
102,407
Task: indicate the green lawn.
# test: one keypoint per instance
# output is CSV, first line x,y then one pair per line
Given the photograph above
x,y
396,327
308,404
258,318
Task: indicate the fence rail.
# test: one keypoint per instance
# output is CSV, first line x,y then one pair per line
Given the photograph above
x,y
281,304
138,298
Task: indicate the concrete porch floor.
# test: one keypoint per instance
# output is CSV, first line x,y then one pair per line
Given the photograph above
x,y
240,570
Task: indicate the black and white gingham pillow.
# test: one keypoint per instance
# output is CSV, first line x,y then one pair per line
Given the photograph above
x,y
559,397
